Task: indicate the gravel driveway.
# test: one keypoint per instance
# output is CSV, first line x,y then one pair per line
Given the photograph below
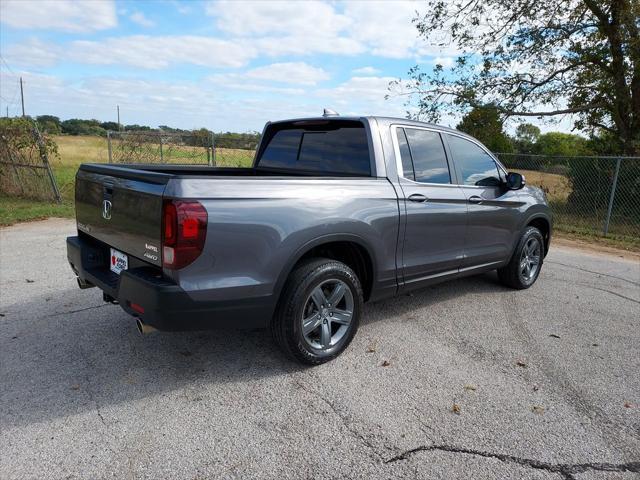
x,y
464,380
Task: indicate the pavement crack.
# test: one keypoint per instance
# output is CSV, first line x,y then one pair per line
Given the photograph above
x,y
348,425
594,272
80,310
567,471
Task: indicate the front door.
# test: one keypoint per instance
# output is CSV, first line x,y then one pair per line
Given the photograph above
x,y
493,214
435,209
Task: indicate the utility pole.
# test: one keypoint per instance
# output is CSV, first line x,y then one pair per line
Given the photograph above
x,y
118,107
7,112
22,96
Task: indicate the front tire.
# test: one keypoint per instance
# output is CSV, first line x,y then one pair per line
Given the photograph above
x,y
319,311
524,267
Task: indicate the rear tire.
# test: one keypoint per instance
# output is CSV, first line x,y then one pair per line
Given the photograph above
x,y
524,267
319,311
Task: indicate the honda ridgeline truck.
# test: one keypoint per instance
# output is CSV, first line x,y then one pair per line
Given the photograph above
x,y
334,212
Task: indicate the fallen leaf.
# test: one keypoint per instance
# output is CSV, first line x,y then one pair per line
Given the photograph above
x,y
522,364
455,408
537,409
628,405
554,335
75,387
470,387
28,280
595,345
371,348
385,363
536,388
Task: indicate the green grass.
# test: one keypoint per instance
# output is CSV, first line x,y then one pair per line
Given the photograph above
x,y
75,150
14,210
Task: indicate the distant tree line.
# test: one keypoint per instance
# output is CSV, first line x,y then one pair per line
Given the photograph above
x,y
75,126
486,124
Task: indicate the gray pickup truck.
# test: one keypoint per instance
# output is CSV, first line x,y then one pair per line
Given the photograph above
x,y
334,212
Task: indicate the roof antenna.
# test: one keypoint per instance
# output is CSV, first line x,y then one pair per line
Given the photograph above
x,y
330,113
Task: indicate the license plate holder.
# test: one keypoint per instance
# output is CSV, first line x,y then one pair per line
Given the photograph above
x,y
118,261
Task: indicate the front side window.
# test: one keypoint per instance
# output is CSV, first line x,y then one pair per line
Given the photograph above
x,y
476,165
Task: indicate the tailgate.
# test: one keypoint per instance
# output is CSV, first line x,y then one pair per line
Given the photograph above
x,y
122,208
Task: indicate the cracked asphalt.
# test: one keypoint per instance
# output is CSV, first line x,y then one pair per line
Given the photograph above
x,y
463,380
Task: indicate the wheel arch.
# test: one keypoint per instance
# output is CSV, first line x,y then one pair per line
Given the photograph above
x,y
350,249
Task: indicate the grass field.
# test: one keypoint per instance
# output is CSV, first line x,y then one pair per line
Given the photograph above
x,y
75,150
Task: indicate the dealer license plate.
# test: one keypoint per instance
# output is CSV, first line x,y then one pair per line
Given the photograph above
x,y
119,261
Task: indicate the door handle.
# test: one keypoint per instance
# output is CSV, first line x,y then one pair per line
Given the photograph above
x,y
418,197
475,199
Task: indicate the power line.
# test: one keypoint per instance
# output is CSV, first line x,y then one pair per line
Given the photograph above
x,y
5,62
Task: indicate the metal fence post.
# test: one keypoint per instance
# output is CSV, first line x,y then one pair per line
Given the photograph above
x,y
612,196
109,145
212,161
161,152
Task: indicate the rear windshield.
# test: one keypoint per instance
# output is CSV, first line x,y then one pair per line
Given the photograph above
x,y
326,147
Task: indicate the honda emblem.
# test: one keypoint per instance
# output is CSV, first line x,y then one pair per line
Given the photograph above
x,y
106,209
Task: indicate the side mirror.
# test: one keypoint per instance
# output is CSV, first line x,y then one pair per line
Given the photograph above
x,y
515,181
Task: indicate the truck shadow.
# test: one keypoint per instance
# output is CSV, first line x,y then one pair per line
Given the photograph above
x,y
70,361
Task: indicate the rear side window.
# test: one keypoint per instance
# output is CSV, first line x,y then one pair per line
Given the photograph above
x,y
423,156
476,165
405,155
332,148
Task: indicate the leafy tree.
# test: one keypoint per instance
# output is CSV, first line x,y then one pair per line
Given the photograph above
x,y
113,126
49,124
484,123
526,132
561,144
76,126
136,128
536,58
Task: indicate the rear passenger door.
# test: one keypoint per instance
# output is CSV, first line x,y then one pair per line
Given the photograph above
x,y
435,208
493,209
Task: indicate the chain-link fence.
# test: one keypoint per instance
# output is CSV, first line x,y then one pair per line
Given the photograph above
x,y
25,170
597,196
200,147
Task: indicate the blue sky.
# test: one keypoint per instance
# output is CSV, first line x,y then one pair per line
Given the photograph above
x,y
223,65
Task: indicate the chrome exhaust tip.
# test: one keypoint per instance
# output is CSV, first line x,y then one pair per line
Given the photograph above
x,y
143,328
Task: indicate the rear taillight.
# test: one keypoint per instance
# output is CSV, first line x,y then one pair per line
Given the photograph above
x,y
184,229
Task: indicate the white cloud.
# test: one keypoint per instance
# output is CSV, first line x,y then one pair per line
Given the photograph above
x,y
285,28
362,96
289,72
141,19
385,27
62,15
366,71
160,52
32,53
278,17
446,62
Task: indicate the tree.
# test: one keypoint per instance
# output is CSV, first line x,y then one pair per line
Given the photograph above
x,y
484,123
535,58
561,144
113,126
49,124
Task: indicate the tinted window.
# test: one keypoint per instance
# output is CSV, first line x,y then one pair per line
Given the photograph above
x,y
429,159
476,166
339,149
405,155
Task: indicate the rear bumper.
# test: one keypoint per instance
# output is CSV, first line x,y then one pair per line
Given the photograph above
x,y
158,301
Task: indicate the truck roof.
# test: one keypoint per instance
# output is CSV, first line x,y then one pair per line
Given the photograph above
x,y
379,119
